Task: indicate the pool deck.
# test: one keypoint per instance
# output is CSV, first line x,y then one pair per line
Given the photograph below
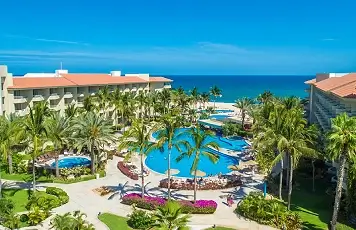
x,y
84,199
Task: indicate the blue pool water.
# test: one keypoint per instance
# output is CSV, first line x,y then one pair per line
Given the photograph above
x,y
220,111
71,162
157,160
219,117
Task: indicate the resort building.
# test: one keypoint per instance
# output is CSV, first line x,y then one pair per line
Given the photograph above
x,y
329,95
62,88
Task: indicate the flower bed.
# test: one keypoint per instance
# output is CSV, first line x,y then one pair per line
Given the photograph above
x,y
126,171
189,185
151,203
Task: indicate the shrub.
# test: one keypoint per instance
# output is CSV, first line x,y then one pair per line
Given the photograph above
x,y
268,212
126,171
36,216
151,203
59,193
6,206
45,202
139,219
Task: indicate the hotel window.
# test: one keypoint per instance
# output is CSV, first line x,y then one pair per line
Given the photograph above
x,y
2,86
17,93
37,92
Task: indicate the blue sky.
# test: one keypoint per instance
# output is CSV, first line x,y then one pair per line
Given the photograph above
x,y
179,37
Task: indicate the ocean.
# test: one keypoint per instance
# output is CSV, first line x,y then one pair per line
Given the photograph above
x,y
234,87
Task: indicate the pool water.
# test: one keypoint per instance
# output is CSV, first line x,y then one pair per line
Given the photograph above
x,y
71,162
219,117
219,111
157,160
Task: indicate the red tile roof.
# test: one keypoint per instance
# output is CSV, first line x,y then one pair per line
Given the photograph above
x,y
344,86
312,81
79,80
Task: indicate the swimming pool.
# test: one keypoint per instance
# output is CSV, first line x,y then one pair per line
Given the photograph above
x,y
219,111
219,117
157,160
71,162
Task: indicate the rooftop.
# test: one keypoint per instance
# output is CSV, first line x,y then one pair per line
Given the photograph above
x,y
65,79
342,86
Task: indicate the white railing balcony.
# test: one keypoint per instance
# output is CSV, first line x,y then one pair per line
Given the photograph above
x,y
19,99
80,104
54,96
68,95
168,86
22,112
133,89
37,98
81,94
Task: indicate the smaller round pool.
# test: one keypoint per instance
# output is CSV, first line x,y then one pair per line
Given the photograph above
x,y
71,162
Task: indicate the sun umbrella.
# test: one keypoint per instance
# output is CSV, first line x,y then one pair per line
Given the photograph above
x,y
173,171
199,173
236,167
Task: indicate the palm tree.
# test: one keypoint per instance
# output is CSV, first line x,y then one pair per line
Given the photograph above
x,y
165,97
57,132
11,135
168,125
205,98
35,128
103,99
198,148
294,142
341,146
71,111
292,102
62,222
141,101
169,217
244,105
215,92
88,104
266,96
93,132
137,139
194,93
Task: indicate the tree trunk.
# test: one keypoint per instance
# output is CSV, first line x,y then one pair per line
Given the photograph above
x,y
281,180
169,172
338,191
214,103
9,159
142,177
195,185
290,186
92,156
243,120
287,166
0,182
57,168
33,176
313,175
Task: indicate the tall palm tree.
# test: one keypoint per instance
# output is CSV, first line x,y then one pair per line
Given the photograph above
x,y
201,142
93,132
341,146
102,99
137,139
57,127
71,111
243,104
62,222
194,93
294,142
88,104
165,97
35,129
141,101
215,92
292,102
168,125
11,135
205,98
169,217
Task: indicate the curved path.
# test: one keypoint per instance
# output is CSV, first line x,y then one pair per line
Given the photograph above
x,y
84,199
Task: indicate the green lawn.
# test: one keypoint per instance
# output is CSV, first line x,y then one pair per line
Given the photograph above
x,y
114,222
315,208
19,197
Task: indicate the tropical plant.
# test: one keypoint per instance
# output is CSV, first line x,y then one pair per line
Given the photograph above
x,y
93,132
194,93
88,104
205,98
139,219
137,139
102,99
11,221
70,221
169,217
244,105
341,146
201,142
215,92
71,111
265,97
165,97
168,126
35,129
57,128
36,216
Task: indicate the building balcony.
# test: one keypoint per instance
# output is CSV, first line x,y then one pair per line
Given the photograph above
x,y
81,94
134,89
19,99
54,107
54,96
37,98
80,104
167,86
22,112
68,95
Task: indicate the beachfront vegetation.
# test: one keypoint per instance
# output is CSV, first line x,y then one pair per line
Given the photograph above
x,y
75,220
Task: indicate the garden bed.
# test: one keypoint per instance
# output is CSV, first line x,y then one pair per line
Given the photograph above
x,y
126,170
189,185
151,203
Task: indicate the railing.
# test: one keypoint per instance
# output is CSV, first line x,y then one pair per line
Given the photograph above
x,y
19,97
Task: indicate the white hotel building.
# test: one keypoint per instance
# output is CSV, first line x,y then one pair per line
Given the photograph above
x,y
331,94
61,88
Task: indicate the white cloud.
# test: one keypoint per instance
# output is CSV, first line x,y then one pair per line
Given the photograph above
x,y
46,40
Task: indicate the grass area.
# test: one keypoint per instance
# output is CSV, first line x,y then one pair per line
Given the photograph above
x,y
45,179
315,208
19,197
114,222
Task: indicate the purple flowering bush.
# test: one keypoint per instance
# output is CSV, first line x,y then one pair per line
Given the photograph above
x,y
151,203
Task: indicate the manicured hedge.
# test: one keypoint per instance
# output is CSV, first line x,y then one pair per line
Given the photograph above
x,y
151,203
58,192
121,166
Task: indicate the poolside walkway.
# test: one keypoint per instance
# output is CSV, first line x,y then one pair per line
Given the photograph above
x,y
84,199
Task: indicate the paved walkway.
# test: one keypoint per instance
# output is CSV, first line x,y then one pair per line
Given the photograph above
x,y
84,199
